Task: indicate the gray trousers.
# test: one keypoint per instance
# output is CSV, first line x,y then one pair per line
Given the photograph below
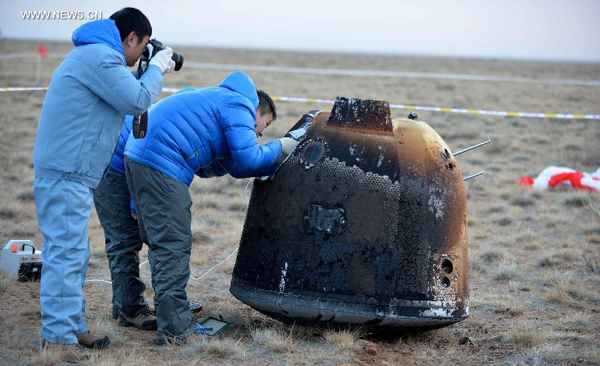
x,y
164,214
123,244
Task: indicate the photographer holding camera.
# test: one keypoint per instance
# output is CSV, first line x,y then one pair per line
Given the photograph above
x,y
79,126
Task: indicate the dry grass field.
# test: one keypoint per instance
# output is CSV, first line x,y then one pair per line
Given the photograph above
x,y
534,256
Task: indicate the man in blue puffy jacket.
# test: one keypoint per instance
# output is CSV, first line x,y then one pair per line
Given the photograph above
x,y
189,133
79,126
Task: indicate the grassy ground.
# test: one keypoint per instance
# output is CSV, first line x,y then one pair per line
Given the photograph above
x,y
534,256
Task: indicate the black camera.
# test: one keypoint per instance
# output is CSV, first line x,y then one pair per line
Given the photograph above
x,y
158,46
140,123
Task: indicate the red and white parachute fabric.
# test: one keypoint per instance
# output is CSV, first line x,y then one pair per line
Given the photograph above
x,y
555,177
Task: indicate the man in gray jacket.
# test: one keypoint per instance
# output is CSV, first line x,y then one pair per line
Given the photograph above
x,y
79,126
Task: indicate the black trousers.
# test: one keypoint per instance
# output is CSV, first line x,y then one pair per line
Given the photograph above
x,y
123,243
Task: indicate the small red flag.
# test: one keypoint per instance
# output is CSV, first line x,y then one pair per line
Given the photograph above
x,y
42,51
526,181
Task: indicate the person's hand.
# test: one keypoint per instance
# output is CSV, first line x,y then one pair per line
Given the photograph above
x,y
163,60
288,145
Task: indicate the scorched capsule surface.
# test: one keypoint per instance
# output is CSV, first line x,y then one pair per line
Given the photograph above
x,y
363,224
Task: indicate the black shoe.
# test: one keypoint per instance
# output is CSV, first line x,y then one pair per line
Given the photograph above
x,y
191,335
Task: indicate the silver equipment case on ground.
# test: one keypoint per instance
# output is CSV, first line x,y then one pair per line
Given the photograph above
x,y
21,260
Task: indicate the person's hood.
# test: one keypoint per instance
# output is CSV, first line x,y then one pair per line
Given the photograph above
x,y
241,83
102,31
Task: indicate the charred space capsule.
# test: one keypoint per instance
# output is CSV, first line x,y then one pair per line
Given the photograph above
x,y
363,224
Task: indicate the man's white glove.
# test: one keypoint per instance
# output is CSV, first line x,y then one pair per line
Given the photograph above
x,y
163,60
288,145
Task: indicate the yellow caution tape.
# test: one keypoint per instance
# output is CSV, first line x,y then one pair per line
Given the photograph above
x,y
458,110
482,112
16,89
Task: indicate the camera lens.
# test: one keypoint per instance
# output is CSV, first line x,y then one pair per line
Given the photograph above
x,y
178,58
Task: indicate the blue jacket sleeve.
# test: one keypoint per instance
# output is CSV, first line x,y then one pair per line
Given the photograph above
x,y
240,133
112,82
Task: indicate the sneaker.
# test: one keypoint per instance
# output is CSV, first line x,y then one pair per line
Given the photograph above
x,y
90,340
144,321
71,353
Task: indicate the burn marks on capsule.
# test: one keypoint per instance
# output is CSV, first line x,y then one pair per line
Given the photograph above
x,y
364,223
361,114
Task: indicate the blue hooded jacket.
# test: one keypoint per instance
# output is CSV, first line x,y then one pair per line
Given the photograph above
x,y
218,168
86,101
196,128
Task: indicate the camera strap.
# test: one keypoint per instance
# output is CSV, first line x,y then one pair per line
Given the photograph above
x,y
140,123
